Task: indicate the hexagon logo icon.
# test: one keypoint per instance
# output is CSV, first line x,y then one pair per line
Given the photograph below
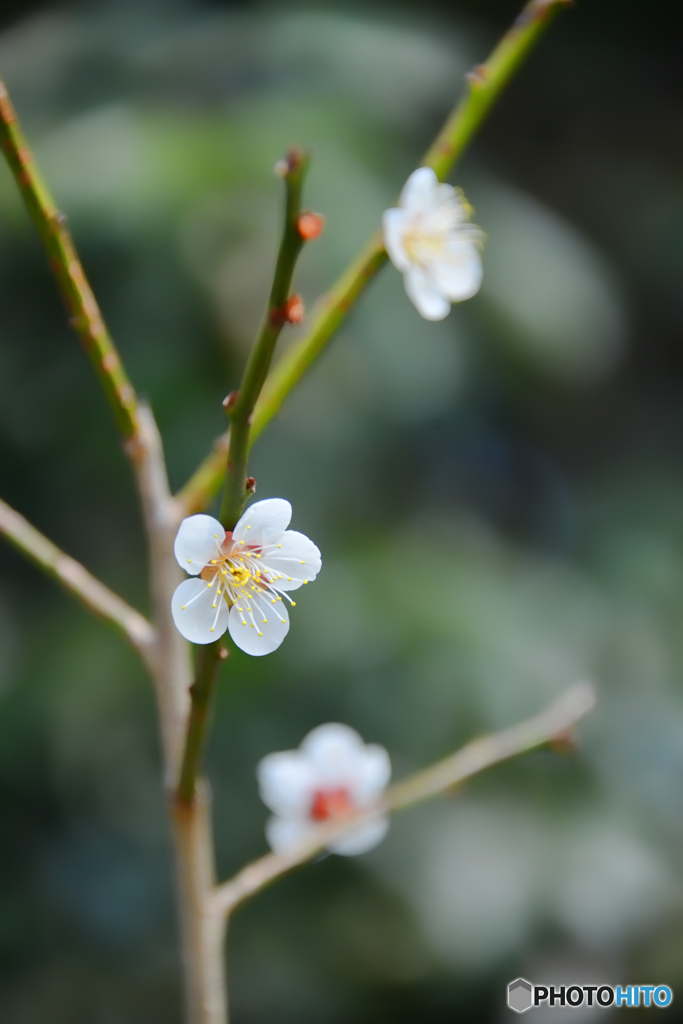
x,y
520,995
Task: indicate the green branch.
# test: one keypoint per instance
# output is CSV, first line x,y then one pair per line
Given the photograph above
x,y
209,657
281,309
86,317
485,83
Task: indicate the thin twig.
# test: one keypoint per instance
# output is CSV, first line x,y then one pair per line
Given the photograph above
x,y
86,317
553,722
209,657
484,84
240,404
76,579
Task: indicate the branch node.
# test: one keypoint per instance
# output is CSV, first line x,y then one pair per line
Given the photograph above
x,y
6,112
57,220
292,312
477,75
564,742
291,163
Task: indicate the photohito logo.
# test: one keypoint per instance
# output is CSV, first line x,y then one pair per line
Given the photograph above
x,y
523,995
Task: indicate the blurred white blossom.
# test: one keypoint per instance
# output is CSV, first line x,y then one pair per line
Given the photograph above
x,y
430,240
239,578
332,774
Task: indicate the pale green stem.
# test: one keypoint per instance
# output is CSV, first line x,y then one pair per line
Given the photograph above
x,y
240,405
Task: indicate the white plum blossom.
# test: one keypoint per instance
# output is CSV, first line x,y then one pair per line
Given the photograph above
x,y
239,578
429,238
331,774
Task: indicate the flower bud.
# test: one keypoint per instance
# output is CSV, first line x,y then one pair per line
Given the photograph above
x,y
310,226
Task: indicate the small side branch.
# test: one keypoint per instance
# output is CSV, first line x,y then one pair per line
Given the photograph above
x,y
77,581
86,317
281,309
551,724
484,84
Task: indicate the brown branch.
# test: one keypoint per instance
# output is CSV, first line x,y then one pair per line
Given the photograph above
x,y
201,927
76,579
550,724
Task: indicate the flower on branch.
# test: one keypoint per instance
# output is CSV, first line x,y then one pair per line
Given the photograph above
x,y
430,239
332,774
239,578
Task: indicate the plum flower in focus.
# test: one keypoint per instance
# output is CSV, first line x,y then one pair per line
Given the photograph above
x,y
331,774
430,240
239,579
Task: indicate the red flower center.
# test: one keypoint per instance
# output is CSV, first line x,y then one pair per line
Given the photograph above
x,y
330,803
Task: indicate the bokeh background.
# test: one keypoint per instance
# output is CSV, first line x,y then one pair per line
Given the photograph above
x,y
498,497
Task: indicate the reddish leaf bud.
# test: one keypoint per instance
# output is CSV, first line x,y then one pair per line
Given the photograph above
x,y
310,226
294,309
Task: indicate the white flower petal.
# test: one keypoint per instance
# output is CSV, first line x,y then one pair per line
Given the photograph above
x,y
266,626
394,225
446,195
199,612
286,783
362,839
372,774
419,192
425,296
333,751
263,522
284,833
458,276
295,558
198,541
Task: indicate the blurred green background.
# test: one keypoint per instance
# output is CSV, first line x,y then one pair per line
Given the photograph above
x,y
519,463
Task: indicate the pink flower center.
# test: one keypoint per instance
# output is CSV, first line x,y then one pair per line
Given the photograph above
x,y
330,803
